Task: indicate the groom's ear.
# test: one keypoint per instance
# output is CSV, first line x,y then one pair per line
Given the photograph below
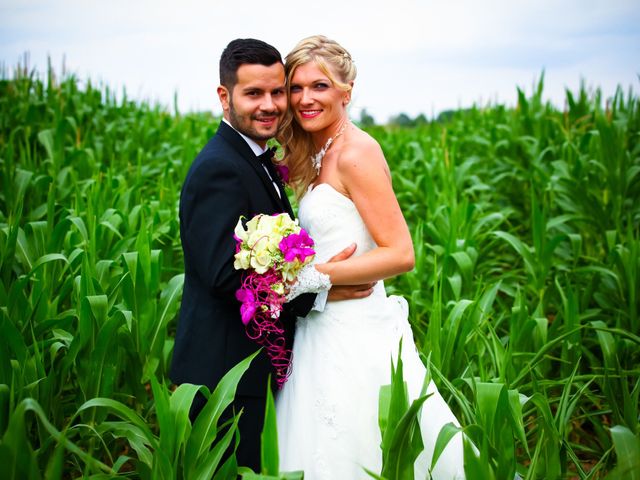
x,y
224,96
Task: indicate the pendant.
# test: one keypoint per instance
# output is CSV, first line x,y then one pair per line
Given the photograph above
x,y
316,160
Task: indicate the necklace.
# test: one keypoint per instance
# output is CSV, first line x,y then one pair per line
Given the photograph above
x,y
316,160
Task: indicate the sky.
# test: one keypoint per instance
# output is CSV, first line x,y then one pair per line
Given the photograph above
x,y
413,56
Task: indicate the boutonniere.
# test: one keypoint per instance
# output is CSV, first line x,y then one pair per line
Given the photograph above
x,y
269,156
283,172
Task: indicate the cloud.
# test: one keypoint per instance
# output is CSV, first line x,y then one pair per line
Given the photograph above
x,y
412,55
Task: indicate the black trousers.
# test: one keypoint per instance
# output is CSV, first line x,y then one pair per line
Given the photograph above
x,y
250,426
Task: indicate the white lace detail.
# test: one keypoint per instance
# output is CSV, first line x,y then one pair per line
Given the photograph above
x,y
309,280
322,470
326,413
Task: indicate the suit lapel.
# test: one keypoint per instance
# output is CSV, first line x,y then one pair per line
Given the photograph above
x,y
283,194
238,143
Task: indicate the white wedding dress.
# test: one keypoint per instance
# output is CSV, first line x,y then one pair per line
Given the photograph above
x,y
327,410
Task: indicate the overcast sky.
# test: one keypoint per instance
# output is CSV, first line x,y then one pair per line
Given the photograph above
x,y
412,56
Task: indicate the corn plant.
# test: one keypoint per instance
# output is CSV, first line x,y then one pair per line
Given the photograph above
x,y
524,299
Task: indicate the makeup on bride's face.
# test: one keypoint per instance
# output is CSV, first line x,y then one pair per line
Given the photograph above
x,y
315,101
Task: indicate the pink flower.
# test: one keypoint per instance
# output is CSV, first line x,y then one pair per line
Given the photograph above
x,y
283,171
249,304
297,245
262,292
260,313
238,242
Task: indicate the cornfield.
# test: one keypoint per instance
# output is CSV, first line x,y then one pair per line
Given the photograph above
x,y
524,299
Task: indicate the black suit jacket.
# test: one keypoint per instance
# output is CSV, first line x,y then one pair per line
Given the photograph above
x,y
225,181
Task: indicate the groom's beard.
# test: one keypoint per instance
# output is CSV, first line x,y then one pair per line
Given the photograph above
x,y
245,123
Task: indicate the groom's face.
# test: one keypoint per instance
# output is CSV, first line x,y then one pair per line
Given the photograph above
x,y
257,101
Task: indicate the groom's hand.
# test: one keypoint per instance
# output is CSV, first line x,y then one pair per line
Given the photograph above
x,y
344,254
348,292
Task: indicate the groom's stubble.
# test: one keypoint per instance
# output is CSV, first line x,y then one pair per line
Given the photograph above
x,y
256,103
242,123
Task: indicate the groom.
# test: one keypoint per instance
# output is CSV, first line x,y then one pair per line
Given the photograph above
x,y
228,180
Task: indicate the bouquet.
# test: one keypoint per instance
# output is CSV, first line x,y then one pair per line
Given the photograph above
x,y
272,249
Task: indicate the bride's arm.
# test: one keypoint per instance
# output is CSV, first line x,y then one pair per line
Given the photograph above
x,y
363,172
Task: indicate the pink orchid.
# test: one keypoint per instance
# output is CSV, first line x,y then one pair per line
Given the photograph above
x,y
238,242
249,304
283,171
297,245
262,295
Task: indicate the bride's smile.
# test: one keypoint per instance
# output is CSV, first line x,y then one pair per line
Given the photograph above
x,y
327,410
318,104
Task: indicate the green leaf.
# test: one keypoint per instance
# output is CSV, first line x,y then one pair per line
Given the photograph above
x,y
124,412
452,326
98,365
398,402
55,464
405,444
136,438
465,264
229,469
164,416
445,435
523,250
487,397
476,467
50,257
19,459
45,137
607,343
269,458
205,428
384,401
180,406
208,462
22,180
23,462
627,448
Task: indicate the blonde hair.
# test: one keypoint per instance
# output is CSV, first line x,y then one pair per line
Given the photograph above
x,y
297,144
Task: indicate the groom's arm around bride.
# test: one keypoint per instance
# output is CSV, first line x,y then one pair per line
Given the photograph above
x,y
226,181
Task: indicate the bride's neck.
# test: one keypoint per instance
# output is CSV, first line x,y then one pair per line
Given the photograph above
x,y
321,137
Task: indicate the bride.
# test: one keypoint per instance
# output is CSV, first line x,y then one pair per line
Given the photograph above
x,y
327,411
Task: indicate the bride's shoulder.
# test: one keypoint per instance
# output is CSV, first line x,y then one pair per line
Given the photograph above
x,y
360,150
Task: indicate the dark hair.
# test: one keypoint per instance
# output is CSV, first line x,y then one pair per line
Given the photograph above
x,y
245,51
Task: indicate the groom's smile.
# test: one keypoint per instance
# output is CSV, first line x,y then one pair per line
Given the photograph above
x,y
267,120
257,101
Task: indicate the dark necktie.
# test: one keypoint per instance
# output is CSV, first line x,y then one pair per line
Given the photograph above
x,y
266,156
265,159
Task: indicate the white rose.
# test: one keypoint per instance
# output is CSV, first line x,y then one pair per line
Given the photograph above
x,y
261,260
241,260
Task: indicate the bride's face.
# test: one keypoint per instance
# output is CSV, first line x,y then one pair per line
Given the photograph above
x,y
315,101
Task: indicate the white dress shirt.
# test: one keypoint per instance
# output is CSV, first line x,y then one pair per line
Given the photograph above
x,y
321,298
257,150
